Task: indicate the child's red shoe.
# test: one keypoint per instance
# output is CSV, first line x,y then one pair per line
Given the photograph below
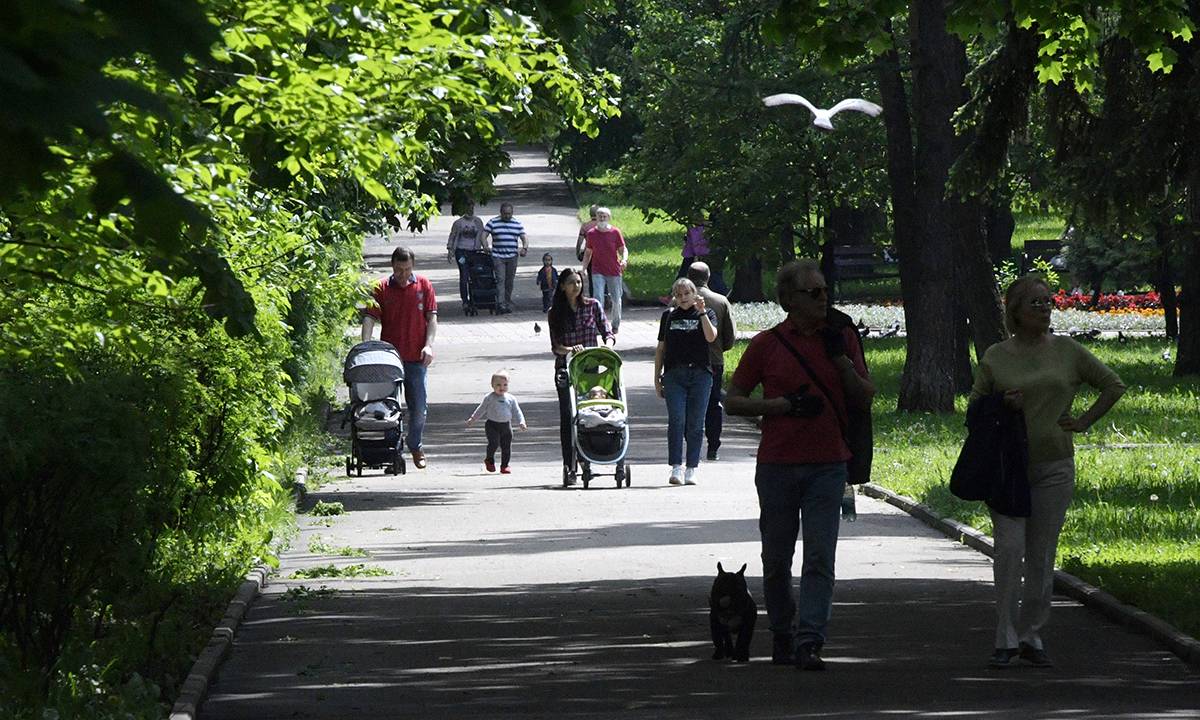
x,y
491,466
505,471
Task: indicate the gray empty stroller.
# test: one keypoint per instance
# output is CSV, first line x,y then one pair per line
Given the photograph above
x,y
374,373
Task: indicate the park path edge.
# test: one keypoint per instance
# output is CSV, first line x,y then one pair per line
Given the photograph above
x,y
1186,647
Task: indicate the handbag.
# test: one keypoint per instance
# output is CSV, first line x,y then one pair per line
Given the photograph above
x,y
857,430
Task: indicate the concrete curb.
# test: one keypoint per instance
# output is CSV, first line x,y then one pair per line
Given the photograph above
x,y
1183,645
204,670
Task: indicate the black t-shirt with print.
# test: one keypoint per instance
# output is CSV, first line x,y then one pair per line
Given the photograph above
x,y
684,337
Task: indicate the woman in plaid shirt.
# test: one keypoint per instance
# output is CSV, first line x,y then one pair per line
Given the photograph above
x,y
575,322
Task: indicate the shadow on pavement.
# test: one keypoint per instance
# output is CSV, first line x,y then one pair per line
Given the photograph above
x,y
640,648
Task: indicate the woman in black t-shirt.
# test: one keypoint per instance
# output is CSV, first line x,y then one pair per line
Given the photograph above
x,y
682,375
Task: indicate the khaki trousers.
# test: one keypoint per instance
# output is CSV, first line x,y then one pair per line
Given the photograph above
x,y
1024,555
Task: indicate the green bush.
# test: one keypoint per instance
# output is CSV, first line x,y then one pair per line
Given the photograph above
x,y
150,472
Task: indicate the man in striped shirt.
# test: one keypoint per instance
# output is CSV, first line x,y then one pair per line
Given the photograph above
x,y
508,240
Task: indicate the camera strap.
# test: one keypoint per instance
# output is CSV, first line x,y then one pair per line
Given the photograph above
x,y
842,422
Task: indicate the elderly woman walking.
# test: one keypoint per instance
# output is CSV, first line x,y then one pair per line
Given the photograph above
x,y
1038,373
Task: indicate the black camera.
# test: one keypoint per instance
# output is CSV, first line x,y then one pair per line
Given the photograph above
x,y
804,404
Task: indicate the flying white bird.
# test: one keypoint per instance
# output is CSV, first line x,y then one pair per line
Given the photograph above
x,y
824,118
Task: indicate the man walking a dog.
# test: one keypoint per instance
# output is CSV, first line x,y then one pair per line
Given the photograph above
x,y
811,369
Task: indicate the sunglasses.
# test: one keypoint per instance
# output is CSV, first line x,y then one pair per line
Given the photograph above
x,y
813,293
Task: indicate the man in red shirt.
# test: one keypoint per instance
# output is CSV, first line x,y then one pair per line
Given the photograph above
x,y
811,368
406,308
607,255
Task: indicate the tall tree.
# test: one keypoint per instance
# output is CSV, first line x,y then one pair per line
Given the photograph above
x,y
1122,132
709,144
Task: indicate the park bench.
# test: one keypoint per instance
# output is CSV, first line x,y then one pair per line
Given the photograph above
x,y
1049,250
860,262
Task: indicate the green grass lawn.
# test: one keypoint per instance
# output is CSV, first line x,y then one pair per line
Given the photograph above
x,y
1036,227
1134,527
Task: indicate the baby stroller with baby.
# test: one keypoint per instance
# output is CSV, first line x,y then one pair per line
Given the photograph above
x,y
373,371
482,289
599,413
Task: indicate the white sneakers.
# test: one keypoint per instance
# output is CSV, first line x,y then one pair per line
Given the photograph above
x,y
688,475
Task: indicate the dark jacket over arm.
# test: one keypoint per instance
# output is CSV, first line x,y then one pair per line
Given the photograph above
x,y
994,462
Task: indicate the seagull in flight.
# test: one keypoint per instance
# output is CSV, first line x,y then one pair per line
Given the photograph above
x,y
823,118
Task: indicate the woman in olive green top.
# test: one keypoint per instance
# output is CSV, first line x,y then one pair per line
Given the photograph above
x,y
1038,373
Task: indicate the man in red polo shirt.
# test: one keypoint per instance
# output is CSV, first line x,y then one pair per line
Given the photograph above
x,y
607,255
811,368
406,308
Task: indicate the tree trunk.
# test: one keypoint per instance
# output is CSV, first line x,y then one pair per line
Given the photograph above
x,y
927,272
747,282
1187,357
1164,279
787,244
999,225
977,278
974,272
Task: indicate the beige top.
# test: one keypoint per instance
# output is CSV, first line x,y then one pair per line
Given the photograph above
x,y
1048,376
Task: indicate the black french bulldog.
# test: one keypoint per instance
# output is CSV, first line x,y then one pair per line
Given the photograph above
x,y
731,610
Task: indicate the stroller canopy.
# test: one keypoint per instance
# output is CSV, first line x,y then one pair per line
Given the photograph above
x,y
371,362
596,367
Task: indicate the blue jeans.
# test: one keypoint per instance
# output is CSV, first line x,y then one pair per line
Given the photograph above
x,y
788,495
414,398
687,390
613,285
713,417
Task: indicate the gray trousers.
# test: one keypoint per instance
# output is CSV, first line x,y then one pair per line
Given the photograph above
x,y
1024,555
506,272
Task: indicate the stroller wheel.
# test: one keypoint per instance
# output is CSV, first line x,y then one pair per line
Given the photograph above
x,y
620,475
587,474
403,470
349,466
628,475
358,467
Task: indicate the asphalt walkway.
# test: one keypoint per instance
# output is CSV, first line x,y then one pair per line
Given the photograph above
x,y
510,596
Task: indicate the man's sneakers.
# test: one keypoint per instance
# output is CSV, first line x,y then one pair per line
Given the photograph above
x,y
505,471
1026,653
418,459
805,657
689,476
1003,658
489,465
1035,656
808,657
676,475
712,455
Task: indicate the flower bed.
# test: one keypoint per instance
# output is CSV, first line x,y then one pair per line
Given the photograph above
x,y
1077,300
759,316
